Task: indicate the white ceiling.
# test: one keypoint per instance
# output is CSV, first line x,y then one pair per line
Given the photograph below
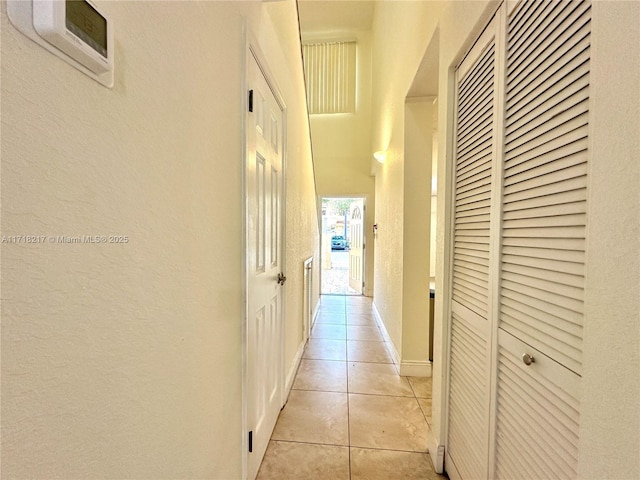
x,y
335,15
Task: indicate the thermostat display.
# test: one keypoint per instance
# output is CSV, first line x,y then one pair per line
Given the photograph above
x,y
74,30
86,23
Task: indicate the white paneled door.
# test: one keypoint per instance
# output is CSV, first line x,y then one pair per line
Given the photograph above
x,y
264,190
356,245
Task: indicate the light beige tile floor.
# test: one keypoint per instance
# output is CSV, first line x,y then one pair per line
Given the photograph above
x,y
350,415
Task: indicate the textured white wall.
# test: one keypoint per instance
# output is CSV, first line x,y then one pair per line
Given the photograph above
x,y
125,360
610,410
418,133
401,31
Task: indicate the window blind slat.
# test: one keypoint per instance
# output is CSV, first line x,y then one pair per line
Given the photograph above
x,y
330,75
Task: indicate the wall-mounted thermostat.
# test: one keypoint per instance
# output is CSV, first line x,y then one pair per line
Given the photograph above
x,y
74,30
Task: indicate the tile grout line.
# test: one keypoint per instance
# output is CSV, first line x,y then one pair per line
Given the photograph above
x,y
347,363
346,366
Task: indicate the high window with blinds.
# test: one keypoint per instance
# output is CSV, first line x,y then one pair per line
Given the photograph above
x,y
330,71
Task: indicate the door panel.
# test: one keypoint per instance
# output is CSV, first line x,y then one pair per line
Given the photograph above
x,y
545,179
356,265
265,331
544,239
537,415
469,377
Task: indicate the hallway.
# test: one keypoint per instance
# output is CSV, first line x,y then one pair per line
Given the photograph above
x,y
350,415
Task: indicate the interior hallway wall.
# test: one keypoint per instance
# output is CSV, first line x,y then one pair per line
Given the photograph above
x,y
126,360
416,239
401,32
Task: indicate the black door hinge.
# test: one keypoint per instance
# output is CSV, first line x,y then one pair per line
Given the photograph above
x,y
251,441
251,100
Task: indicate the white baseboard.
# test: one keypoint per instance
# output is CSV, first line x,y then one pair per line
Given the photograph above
x,y
415,369
314,317
291,375
388,343
406,368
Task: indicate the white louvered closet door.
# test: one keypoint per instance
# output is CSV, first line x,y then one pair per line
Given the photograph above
x,y
469,385
543,240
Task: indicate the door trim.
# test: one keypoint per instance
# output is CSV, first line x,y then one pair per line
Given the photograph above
x,y
253,50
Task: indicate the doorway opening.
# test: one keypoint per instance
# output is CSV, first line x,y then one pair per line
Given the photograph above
x,y
342,253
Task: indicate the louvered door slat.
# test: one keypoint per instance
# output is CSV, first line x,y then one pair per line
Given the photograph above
x,y
577,197
473,172
513,427
570,208
481,95
468,426
570,282
542,435
540,252
480,247
559,301
542,283
533,316
474,278
546,190
571,75
533,325
485,116
565,131
482,71
547,174
470,269
570,157
460,249
475,139
541,119
544,52
470,219
543,230
546,25
460,265
543,308
550,151
480,152
521,18
475,190
538,410
467,416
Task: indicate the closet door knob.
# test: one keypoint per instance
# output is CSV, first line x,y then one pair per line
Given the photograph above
x,y
528,359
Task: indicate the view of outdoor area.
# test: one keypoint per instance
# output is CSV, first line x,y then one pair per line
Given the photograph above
x,y
336,246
